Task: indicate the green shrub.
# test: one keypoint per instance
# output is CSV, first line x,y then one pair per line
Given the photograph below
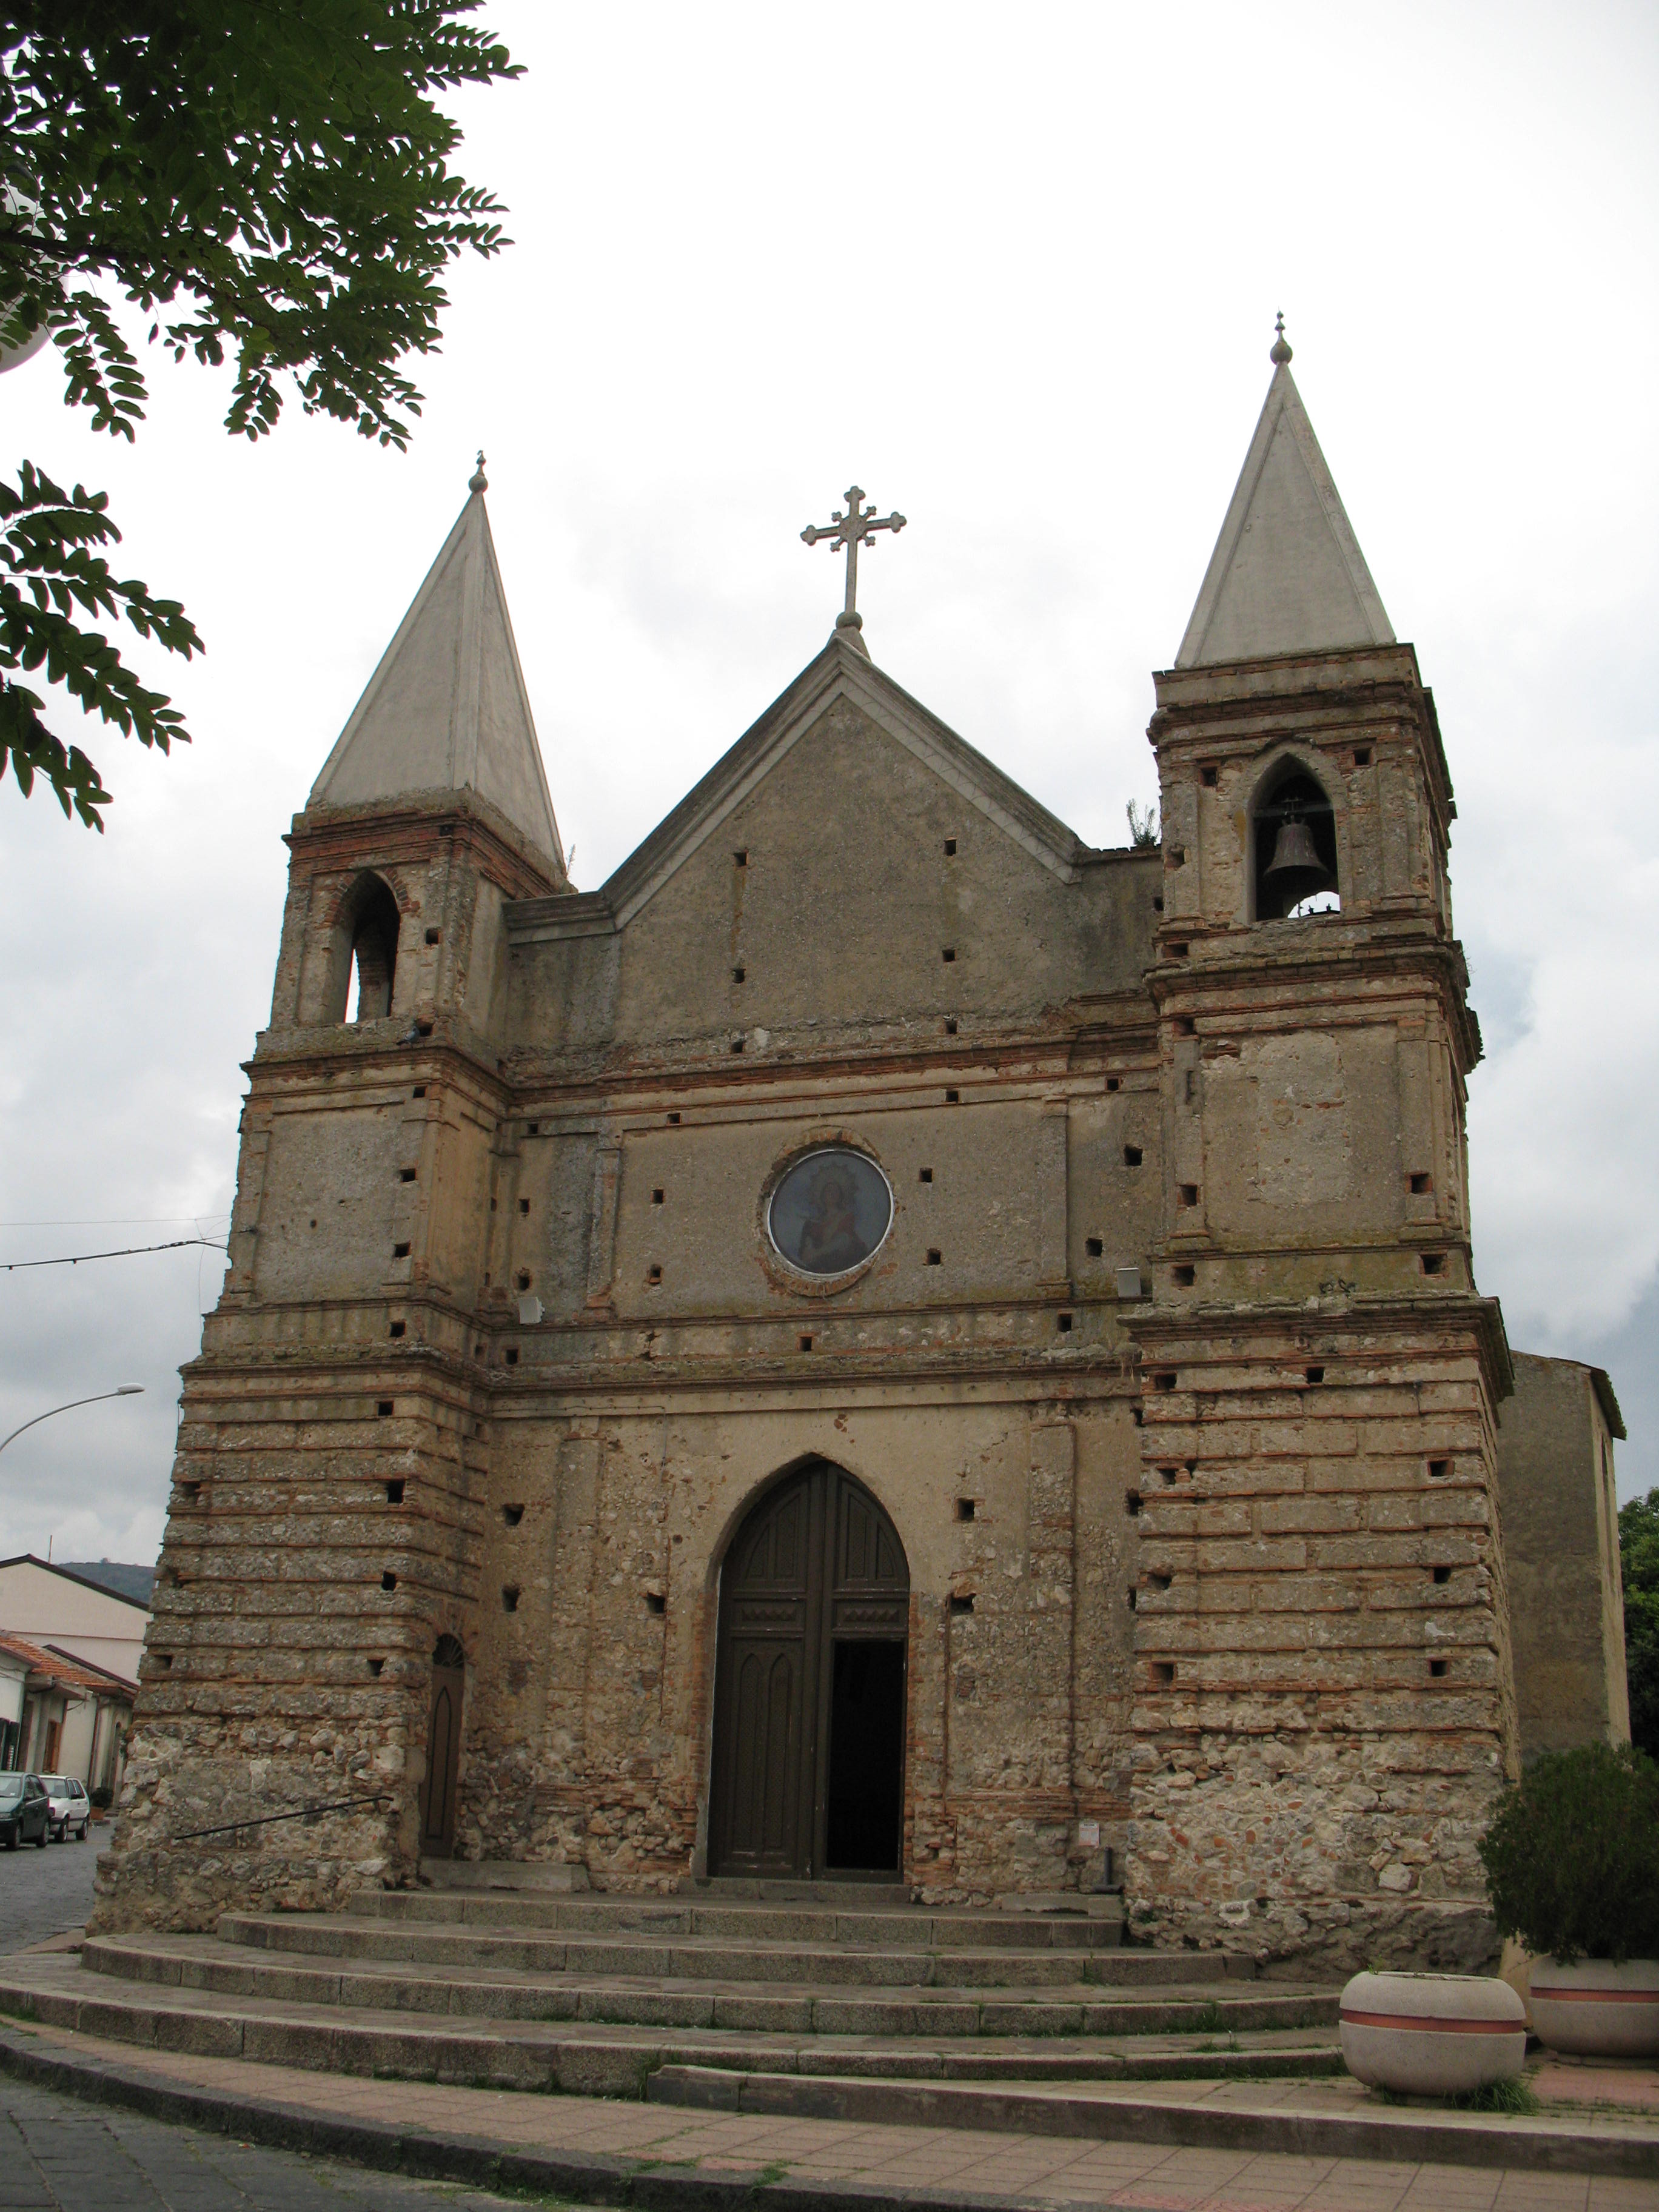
x,y
1572,1857
100,1798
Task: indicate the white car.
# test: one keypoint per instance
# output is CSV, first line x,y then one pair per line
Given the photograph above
x,y
70,1807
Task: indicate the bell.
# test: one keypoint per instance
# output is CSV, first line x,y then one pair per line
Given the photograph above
x,y
1296,871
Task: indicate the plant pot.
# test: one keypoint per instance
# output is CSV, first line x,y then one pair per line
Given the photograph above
x,y
1595,2009
1432,2035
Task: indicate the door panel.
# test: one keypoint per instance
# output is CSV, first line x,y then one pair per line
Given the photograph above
x,y
443,1760
817,1564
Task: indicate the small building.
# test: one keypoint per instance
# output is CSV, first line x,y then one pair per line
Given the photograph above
x,y
1559,1510
14,1675
84,1619
72,1718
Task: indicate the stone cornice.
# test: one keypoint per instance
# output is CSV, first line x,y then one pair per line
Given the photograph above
x,y
1165,1334
407,831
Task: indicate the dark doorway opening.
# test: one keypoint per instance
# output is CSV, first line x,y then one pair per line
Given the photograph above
x,y
809,1684
443,1749
867,1757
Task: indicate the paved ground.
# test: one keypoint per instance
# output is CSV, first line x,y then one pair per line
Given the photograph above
x,y
1039,2173
43,1892
58,2154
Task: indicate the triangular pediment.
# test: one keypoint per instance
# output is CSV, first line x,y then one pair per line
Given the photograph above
x,y
1287,574
446,710
841,671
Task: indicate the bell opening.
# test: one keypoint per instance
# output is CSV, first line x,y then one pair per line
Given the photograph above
x,y
1296,873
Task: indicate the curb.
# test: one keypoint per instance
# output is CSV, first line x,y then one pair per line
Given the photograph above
x,y
597,2178
1515,2146
592,2178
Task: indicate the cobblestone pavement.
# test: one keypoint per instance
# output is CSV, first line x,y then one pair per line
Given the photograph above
x,y
43,1893
58,2154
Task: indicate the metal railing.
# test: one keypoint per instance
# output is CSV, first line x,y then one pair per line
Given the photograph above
x,y
296,1813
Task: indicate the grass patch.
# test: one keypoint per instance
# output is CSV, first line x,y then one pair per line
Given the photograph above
x,y
1515,2098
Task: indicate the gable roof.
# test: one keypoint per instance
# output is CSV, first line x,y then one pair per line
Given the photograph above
x,y
1287,574
70,1575
842,670
446,710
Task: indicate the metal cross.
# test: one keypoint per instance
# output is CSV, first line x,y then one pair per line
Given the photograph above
x,y
855,528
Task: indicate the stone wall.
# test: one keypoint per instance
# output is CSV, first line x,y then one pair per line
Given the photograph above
x,y
1323,1709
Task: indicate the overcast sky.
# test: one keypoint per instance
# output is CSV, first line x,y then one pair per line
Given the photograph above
x,y
1014,271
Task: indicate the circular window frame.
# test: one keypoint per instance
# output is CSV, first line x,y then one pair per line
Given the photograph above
x,y
777,1264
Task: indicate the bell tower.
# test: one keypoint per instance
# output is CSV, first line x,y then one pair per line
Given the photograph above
x,y
1323,1704
322,1547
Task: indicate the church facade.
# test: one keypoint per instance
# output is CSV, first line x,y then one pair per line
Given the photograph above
x,y
884,1343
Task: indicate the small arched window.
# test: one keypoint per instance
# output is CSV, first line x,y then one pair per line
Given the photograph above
x,y
448,1652
1295,848
372,919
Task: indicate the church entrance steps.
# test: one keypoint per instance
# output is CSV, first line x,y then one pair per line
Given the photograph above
x,y
791,2002
899,1928
591,2058
714,1958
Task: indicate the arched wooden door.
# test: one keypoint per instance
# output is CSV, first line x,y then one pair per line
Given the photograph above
x,y
443,1750
809,1684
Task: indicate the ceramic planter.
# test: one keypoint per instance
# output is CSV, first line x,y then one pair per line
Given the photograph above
x,y
1432,2035
1597,2010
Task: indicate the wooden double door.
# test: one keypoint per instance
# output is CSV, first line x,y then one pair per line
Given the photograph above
x,y
810,1685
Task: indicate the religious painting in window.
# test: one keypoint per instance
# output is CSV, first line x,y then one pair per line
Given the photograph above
x,y
831,1211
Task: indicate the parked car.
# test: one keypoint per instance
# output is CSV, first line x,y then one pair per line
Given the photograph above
x,y
25,1811
70,1806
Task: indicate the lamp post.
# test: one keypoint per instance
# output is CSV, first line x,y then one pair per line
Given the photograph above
x,y
124,1390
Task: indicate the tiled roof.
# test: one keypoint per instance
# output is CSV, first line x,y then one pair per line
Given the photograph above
x,y
67,1674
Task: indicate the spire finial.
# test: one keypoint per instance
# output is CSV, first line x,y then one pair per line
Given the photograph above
x,y
850,530
480,482
1281,351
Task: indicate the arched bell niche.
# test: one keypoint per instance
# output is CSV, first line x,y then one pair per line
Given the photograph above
x,y
1293,846
365,955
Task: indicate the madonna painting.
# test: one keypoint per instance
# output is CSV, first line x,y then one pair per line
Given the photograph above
x,y
830,1212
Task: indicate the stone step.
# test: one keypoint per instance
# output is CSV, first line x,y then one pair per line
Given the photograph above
x,y
711,1959
907,1928
784,2008
534,1876
577,2057
722,1888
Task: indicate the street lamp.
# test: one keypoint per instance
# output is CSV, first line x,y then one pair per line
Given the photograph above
x,y
125,1390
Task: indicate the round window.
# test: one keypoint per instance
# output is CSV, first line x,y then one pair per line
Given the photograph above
x,y
830,1212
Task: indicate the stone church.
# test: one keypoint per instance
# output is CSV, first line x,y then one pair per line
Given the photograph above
x,y
884,1343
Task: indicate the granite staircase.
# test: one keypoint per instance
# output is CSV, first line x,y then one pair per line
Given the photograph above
x,y
491,1978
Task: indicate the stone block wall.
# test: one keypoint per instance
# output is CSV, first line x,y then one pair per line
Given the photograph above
x,y
280,1670
1324,1707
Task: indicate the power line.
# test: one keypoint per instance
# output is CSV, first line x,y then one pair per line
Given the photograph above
x,y
126,1252
115,1220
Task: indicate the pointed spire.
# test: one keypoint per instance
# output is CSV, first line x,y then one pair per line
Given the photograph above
x,y
1287,574
446,710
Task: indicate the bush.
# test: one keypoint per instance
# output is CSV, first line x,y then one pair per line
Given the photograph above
x,y
101,1797
1638,1559
1572,1857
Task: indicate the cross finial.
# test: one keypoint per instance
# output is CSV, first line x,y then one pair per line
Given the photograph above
x,y
856,528
1281,351
480,482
